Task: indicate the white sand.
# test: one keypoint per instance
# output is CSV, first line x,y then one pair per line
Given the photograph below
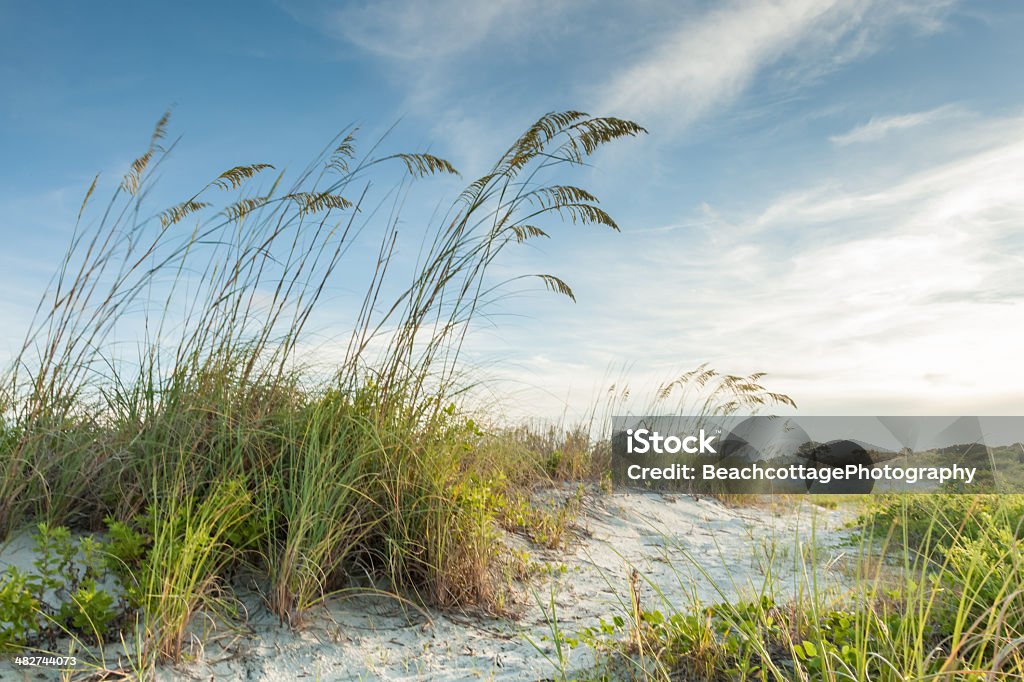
x,y
376,638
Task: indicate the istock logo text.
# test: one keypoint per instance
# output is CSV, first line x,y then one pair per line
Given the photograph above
x,y
643,441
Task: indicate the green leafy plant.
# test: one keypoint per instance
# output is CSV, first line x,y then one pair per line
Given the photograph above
x,y
19,610
69,592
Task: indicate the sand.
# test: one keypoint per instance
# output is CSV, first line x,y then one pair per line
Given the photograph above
x,y
682,548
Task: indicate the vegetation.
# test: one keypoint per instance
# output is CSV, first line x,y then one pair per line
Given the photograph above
x,y
69,592
214,451
938,597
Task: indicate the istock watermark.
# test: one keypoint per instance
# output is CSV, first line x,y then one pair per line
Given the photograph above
x,y
837,455
642,441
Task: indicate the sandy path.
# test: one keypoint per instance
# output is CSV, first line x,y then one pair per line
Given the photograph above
x,y
375,638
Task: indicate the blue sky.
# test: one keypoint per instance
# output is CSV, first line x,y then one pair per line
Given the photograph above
x,y
831,191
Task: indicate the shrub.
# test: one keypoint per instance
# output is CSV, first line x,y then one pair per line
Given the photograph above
x,y
70,592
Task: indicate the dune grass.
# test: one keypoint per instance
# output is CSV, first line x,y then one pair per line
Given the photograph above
x,y
208,452
212,448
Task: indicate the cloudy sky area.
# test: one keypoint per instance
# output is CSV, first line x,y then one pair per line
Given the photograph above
x,y
832,191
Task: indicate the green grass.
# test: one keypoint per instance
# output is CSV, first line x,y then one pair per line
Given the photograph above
x,y
209,451
214,450
937,596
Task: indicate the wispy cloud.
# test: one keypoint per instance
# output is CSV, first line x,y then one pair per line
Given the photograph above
x,y
448,58
884,289
897,297
707,62
408,31
880,126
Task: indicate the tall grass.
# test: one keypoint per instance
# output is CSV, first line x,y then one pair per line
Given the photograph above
x,y
212,442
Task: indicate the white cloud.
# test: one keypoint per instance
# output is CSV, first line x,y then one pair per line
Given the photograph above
x,y
880,126
965,187
910,291
888,297
706,63
409,31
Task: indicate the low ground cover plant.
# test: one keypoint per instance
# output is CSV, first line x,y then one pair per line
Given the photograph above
x,y
70,589
938,596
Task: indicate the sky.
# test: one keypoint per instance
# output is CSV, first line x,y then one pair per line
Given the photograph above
x,y
831,191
